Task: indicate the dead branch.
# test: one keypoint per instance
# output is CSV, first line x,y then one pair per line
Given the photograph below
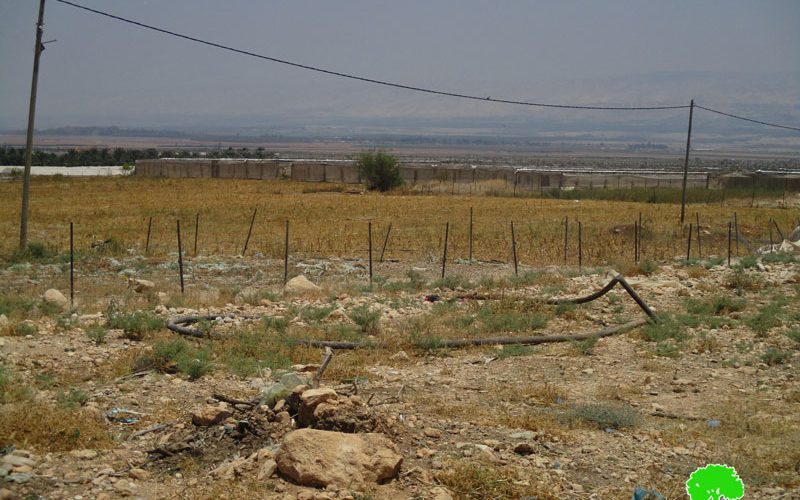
x,y
323,366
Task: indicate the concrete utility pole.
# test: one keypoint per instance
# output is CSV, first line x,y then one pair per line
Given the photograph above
x,y
26,181
686,161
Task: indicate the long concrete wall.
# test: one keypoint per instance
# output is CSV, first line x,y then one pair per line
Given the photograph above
x,y
498,177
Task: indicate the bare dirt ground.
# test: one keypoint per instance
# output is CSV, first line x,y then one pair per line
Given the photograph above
x,y
98,410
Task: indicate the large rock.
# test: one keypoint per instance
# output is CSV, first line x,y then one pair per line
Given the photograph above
x,y
142,286
56,298
311,457
210,415
310,399
299,285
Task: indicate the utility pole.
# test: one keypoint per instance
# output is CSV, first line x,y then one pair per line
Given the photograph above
x,y
26,181
686,161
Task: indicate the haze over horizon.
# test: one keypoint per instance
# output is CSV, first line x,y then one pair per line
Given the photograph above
x,y
739,56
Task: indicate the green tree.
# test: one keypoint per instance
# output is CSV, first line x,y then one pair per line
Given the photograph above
x,y
715,482
379,169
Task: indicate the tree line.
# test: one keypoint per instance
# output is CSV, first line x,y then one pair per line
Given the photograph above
x,y
10,156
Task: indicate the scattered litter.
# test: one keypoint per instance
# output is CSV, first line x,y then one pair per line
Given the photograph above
x,y
123,415
432,298
713,423
640,493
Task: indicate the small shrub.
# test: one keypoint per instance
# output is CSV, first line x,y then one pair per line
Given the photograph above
x,y
246,353
714,262
741,281
277,324
565,309
34,252
717,305
179,355
72,399
604,416
453,281
366,319
424,340
344,332
195,365
526,279
15,305
11,390
648,267
667,349
748,262
794,334
136,324
778,257
22,329
380,170
415,283
774,356
514,350
494,320
97,334
766,318
665,328
584,346
316,313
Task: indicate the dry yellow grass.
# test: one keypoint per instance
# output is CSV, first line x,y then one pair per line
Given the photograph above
x,y
327,223
52,428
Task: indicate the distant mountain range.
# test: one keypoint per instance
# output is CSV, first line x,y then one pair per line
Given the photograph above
x,y
352,112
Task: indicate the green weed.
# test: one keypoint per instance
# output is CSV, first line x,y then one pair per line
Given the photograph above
x,y
367,319
97,334
134,325
774,356
604,416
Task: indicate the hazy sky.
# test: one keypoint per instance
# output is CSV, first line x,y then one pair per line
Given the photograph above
x,y
606,52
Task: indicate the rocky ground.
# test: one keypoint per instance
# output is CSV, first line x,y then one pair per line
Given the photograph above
x,y
93,407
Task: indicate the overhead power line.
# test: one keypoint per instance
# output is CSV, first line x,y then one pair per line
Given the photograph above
x,y
747,119
410,87
362,78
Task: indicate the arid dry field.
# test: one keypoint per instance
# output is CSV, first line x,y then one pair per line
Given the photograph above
x,y
101,400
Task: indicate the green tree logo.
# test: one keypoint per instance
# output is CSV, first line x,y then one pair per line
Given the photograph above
x,y
715,482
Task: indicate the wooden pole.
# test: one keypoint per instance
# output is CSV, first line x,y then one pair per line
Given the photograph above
x,y
514,249
71,267
147,242
736,232
566,233
444,256
641,237
249,231
635,242
26,179
580,246
686,161
286,254
369,237
196,227
180,254
729,244
470,233
385,241
699,244
689,245
780,233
